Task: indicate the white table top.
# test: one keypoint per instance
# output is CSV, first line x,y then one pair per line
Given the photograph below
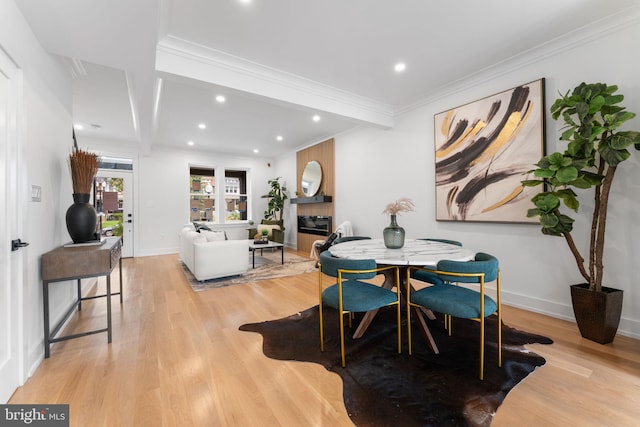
x,y
414,252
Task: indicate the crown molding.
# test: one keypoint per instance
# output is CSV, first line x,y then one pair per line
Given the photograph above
x,y
583,35
191,60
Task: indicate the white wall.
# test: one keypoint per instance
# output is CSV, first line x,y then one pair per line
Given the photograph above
x,y
375,167
45,142
163,193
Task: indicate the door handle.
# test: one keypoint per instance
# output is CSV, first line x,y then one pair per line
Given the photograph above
x,y
17,244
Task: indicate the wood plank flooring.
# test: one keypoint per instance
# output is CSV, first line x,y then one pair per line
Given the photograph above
x,y
178,359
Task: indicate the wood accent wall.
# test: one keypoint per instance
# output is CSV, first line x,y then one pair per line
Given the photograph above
x,y
324,154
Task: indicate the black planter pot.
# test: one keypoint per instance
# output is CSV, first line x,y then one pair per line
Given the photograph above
x,y
597,313
81,219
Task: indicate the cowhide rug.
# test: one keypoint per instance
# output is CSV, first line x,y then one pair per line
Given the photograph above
x,y
384,388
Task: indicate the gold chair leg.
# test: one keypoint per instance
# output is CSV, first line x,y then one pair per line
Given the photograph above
x,y
399,330
342,338
320,308
408,298
321,328
482,346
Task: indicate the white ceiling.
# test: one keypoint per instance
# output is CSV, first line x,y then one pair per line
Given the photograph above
x,y
153,67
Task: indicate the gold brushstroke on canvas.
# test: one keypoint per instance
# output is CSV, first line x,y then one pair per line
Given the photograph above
x,y
468,134
511,128
505,200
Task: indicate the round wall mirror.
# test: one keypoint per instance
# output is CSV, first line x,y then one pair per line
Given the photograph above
x,y
311,178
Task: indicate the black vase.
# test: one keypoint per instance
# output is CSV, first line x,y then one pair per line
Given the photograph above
x,y
81,219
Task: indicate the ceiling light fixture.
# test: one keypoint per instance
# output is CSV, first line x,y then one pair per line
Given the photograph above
x,y
316,118
255,150
220,98
190,143
78,127
279,138
400,67
202,126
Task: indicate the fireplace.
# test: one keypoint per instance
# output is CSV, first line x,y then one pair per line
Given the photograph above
x,y
314,224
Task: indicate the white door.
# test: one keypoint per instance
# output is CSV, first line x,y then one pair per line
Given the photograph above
x,y
120,183
11,262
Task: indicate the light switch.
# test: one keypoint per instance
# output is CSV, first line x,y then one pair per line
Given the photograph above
x,y
36,193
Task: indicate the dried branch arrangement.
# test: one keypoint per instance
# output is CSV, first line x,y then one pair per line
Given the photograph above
x,y
84,167
400,205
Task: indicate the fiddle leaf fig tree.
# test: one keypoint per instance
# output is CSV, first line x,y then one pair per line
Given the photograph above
x,y
595,148
277,196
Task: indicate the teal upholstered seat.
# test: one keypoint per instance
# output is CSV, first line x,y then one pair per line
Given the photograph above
x,y
351,294
451,299
427,276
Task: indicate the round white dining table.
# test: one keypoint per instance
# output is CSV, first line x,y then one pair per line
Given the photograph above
x,y
415,252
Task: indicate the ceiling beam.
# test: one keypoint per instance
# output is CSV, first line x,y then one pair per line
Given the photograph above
x,y
187,59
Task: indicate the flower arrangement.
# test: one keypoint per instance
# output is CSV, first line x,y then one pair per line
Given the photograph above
x,y
401,205
84,167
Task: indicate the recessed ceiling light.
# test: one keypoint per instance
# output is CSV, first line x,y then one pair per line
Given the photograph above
x,y
78,127
202,126
316,118
255,150
245,1
190,143
220,98
279,138
400,67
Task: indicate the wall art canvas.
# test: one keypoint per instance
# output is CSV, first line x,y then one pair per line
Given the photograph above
x,y
483,150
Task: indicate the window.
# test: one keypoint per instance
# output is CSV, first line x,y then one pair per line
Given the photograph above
x,y
235,195
204,200
202,194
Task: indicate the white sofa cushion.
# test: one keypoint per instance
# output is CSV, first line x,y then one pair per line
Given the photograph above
x,y
214,236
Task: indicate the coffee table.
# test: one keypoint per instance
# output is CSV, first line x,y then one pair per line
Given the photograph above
x,y
253,246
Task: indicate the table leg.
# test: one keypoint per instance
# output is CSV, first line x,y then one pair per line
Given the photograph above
x,y
109,307
388,283
282,255
120,268
253,258
45,297
79,297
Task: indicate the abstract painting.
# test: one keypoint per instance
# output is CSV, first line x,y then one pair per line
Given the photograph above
x,y
483,150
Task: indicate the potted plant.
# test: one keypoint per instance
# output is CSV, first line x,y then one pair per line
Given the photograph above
x,y
277,196
595,148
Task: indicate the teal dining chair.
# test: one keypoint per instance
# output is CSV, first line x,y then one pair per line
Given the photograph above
x,y
427,276
451,299
351,294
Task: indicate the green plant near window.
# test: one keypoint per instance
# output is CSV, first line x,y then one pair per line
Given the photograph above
x,y
277,196
594,150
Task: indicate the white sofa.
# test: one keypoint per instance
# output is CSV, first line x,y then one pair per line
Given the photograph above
x,y
208,255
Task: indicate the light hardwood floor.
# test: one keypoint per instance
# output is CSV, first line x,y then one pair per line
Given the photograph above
x,y
178,359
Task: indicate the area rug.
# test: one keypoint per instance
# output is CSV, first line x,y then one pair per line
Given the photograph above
x,y
384,388
268,266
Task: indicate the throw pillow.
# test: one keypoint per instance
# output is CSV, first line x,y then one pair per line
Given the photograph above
x,y
213,236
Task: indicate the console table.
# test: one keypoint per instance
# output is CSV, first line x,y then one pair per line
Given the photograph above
x,y
76,263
